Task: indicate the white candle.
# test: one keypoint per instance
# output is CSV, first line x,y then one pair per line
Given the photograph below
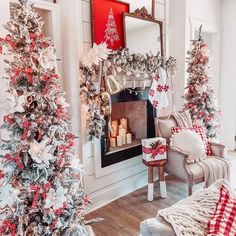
x,y
119,141
122,133
123,122
113,130
121,127
113,142
129,138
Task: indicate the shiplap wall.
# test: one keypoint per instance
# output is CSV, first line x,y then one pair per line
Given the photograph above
x,y
107,188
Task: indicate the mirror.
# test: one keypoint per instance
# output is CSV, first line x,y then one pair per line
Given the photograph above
x,y
143,34
138,4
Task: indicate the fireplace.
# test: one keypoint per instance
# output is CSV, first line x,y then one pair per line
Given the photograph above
x,y
132,119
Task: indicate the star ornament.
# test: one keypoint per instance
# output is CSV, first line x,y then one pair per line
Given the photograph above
x,y
40,152
55,198
8,196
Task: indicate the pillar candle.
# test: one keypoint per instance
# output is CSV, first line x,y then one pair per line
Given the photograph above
x,y
122,133
129,138
113,131
119,141
113,142
124,122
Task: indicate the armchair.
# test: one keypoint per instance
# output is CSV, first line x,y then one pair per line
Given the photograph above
x,y
176,159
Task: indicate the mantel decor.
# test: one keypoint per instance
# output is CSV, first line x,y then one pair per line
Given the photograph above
x,y
99,63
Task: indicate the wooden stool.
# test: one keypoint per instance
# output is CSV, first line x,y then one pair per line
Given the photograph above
x,y
160,165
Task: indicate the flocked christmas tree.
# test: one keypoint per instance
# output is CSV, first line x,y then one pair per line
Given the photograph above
x,y
200,97
111,33
40,177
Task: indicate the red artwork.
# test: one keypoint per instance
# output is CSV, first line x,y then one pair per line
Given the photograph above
x,y
108,22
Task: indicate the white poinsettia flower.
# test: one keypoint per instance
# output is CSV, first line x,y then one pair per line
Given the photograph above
x,y
98,53
47,58
8,196
15,102
40,152
55,199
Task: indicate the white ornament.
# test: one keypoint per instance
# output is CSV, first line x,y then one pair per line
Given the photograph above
x,y
40,152
55,199
16,102
47,58
137,75
118,69
128,73
8,196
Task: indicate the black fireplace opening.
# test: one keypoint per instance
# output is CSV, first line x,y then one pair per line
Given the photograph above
x,y
132,119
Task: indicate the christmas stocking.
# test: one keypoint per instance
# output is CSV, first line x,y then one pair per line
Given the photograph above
x,y
158,91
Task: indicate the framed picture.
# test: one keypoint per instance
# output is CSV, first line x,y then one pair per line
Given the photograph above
x,y
107,22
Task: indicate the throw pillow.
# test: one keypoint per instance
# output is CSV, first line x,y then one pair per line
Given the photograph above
x,y
199,130
189,142
223,221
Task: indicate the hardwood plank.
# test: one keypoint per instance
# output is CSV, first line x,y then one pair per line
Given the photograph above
x,y
123,216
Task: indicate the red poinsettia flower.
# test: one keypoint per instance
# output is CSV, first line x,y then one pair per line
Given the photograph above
x,y
155,103
151,92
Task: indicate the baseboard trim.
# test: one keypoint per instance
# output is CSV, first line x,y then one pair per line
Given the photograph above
x,y
117,190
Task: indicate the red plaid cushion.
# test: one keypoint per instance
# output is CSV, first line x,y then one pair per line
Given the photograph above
x,y
223,222
199,130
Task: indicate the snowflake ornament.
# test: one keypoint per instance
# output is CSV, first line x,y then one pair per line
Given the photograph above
x,y
40,152
47,58
56,199
8,196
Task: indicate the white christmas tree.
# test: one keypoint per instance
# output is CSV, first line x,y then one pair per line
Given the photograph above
x,y
40,174
111,33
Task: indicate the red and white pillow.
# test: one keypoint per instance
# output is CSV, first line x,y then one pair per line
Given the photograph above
x,y
199,130
223,222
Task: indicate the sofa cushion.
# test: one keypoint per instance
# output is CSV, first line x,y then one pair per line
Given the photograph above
x,y
189,142
163,128
223,221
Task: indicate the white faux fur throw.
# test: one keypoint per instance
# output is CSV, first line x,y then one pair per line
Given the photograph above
x,y
189,217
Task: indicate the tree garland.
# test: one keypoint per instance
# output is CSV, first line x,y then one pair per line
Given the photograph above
x,y
99,62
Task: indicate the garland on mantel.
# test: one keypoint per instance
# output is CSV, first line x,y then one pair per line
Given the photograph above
x,y
100,62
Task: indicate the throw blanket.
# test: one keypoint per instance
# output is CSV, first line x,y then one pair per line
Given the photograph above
x,y
214,168
190,216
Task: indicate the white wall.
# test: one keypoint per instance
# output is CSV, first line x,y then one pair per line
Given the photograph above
x,y
111,186
228,72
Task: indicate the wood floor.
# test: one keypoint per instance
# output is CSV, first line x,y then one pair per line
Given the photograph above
x,y
123,216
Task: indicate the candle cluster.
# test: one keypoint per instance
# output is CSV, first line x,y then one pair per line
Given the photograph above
x,y
119,135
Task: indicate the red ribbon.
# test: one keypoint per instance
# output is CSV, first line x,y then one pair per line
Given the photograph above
x,y
16,159
58,212
26,125
37,194
8,120
27,71
33,38
159,149
8,225
48,81
10,41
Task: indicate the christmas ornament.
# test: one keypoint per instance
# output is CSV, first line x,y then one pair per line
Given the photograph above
x,y
40,152
112,85
55,198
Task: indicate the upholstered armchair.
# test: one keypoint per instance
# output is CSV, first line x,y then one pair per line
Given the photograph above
x,y
176,159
